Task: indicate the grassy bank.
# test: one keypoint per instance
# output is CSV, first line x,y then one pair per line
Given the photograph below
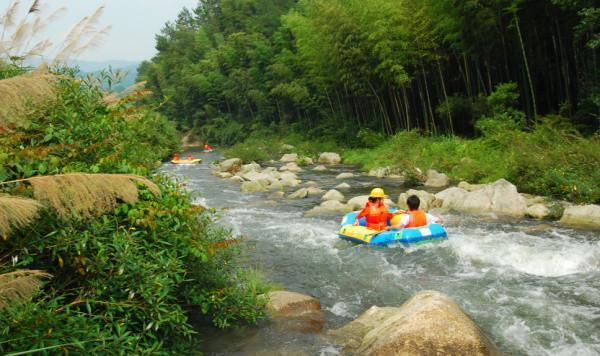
x,y
99,254
551,159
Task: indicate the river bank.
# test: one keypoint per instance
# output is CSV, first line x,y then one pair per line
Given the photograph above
x,y
532,290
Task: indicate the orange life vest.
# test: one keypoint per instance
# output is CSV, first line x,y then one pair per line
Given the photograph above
x,y
416,218
376,216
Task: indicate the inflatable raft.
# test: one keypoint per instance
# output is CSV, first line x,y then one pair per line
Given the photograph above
x,y
186,161
413,236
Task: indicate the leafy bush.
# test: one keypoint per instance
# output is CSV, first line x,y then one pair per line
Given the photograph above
x,y
125,281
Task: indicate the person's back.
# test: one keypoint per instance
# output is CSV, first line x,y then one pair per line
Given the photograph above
x,y
415,217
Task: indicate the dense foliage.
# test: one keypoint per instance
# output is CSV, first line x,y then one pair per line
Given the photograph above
x,y
124,282
329,68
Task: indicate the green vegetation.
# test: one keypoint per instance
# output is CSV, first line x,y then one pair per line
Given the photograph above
x,y
329,68
129,256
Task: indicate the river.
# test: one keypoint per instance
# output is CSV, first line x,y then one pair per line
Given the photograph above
x,y
533,293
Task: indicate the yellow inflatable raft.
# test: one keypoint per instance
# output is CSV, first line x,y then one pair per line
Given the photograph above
x,y
186,161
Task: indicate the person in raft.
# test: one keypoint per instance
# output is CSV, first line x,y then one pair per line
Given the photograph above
x,y
176,157
190,157
414,217
375,211
207,147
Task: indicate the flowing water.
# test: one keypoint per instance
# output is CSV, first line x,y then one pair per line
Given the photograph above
x,y
534,293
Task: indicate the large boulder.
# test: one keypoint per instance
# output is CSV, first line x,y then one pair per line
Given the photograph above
x,y
344,175
290,310
470,187
359,202
231,165
330,158
255,186
436,179
253,176
320,168
500,197
586,216
428,200
289,157
429,323
333,195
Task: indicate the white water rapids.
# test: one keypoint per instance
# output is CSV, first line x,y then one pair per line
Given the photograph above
x,y
534,293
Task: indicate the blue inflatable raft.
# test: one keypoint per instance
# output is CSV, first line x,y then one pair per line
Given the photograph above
x,y
413,236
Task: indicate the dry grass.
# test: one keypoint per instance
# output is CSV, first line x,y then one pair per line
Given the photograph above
x,y
20,285
16,213
23,95
88,195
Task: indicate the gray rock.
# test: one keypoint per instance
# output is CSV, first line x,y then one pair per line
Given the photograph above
x,y
500,197
320,168
436,179
231,165
314,191
585,216
344,175
470,187
343,186
330,158
299,194
538,211
255,186
289,157
291,167
250,167
333,195
237,179
428,200
429,323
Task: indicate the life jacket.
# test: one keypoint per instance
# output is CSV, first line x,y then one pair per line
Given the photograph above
x,y
376,216
416,218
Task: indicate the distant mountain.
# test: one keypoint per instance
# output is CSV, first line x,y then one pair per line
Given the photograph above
x,y
94,68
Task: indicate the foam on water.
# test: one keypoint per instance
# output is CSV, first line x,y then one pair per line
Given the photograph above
x,y
540,256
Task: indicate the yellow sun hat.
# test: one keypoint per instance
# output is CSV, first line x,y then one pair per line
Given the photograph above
x,y
377,193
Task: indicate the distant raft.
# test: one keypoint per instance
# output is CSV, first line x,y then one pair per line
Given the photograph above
x,y
413,236
187,161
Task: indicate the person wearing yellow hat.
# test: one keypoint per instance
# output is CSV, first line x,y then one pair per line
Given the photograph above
x,y
375,211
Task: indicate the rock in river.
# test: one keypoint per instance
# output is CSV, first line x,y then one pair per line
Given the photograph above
x,y
344,175
436,179
255,186
428,200
231,165
289,157
330,158
343,186
582,216
429,323
333,195
295,311
320,168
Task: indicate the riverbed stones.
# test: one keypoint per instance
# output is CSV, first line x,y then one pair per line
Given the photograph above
x,y
289,157
299,194
291,167
436,179
314,190
343,186
345,175
231,165
328,207
255,186
500,197
330,158
320,168
224,175
333,195
428,200
380,172
585,216
430,323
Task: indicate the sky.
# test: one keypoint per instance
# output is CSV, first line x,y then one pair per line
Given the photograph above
x,y
134,24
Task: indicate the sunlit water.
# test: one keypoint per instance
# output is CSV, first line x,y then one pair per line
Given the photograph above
x,y
533,293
